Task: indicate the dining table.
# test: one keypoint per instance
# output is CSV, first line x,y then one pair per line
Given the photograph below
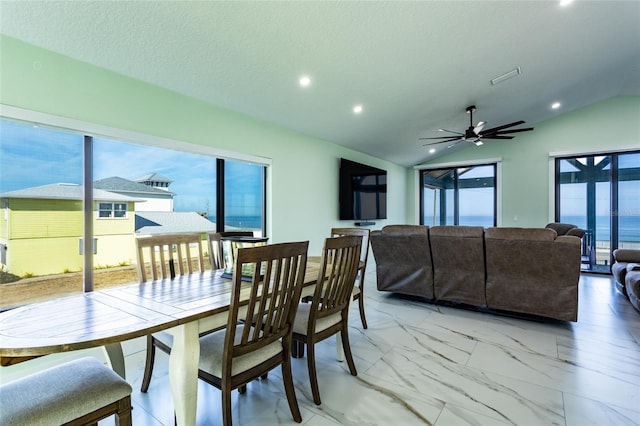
x,y
184,306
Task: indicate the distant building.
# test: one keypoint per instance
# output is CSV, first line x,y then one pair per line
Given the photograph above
x,y
41,229
150,223
156,193
155,180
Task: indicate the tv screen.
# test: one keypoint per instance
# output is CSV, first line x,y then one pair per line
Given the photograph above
x,y
362,191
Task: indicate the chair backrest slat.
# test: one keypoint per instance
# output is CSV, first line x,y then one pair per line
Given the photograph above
x,y
157,253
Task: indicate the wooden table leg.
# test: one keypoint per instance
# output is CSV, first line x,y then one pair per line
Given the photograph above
x,y
115,358
183,372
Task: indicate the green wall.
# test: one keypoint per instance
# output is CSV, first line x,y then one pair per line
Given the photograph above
x,y
609,125
303,197
303,191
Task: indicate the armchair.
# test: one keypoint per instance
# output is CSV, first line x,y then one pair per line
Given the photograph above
x,y
626,272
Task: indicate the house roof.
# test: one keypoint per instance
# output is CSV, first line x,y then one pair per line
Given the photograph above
x,y
153,177
66,191
150,223
118,184
413,65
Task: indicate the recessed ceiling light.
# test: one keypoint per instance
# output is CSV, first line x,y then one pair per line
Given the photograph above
x,y
556,105
357,109
305,81
564,3
432,150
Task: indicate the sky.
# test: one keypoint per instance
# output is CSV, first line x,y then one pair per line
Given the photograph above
x,y
33,156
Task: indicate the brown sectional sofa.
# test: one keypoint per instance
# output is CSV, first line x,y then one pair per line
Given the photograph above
x,y
523,270
626,271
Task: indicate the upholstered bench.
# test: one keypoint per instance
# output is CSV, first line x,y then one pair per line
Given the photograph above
x,y
79,392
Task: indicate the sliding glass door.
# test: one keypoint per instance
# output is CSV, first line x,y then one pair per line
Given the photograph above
x,y
600,194
627,217
459,196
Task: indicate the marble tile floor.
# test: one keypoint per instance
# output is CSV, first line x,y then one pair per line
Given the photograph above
x,y
422,364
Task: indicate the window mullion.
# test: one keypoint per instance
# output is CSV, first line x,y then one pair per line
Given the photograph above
x,y
220,195
87,212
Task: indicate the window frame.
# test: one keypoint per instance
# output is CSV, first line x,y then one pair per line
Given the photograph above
x,y
497,188
614,180
92,130
112,210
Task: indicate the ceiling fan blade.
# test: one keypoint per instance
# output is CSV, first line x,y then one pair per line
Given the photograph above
x,y
441,137
496,137
479,127
450,131
504,126
445,141
504,132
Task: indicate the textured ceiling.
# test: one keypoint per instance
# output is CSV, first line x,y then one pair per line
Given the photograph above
x,y
414,66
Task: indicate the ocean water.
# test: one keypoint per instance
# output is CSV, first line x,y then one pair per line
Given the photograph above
x,y
245,222
629,226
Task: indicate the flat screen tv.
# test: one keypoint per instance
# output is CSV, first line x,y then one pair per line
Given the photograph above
x,y
362,191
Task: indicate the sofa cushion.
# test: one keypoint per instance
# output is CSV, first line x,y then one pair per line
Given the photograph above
x,y
457,231
527,234
633,267
575,232
458,264
632,285
530,271
561,228
405,230
619,272
403,259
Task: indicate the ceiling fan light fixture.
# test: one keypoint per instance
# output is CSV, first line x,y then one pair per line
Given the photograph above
x,y
478,142
506,76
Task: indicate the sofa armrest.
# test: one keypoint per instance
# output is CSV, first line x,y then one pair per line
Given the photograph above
x,y
627,255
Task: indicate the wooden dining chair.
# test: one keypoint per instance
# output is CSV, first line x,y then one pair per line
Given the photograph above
x,y
358,289
168,255
216,249
258,333
328,312
165,256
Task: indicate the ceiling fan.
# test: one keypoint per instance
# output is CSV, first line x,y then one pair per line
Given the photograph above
x,y
475,134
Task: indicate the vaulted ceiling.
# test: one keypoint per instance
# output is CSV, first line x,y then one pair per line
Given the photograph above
x,y
413,66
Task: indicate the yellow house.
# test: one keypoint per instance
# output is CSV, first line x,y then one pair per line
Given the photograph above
x,y
41,229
